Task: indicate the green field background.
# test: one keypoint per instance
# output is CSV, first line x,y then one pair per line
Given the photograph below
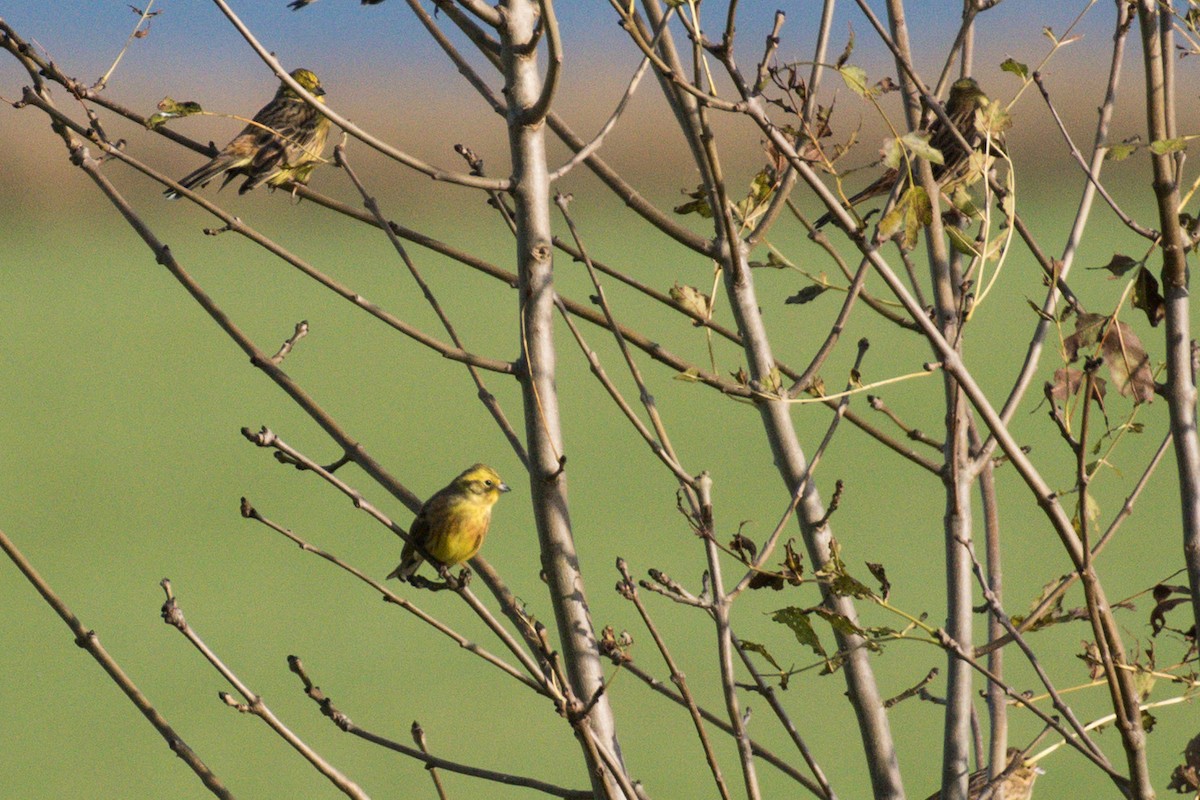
x,y
123,462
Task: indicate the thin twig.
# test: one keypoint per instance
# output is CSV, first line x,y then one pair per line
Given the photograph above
x,y
172,614
628,589
487,398
90,641
785,719
1091,175
250,512
266,438
344,723
418,734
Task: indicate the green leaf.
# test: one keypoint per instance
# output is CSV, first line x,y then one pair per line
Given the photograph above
x,y
961,242
774,261
797,620
762,185
1120,152
843,625
1017,68
695,207
962,200
992,118
1090,508
856,79
1163,146
917,143
697,204
172,109
893,153
755,647
919,214
893,221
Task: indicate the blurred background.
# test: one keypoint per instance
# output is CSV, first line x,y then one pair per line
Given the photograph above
x,y
123,462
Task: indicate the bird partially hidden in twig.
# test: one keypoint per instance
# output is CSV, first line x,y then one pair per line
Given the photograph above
x,y
965,99
1016,781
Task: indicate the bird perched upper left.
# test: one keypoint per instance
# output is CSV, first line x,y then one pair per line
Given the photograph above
x,y
282,144
451,525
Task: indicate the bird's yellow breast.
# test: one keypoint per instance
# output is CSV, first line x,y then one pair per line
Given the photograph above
x,y
456,533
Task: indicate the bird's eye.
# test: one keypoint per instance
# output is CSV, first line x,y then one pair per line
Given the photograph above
x,y
487,482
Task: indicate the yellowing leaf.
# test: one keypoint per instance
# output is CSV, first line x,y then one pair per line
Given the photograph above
x,y
917,143
171,109
856,79
691,298
1163,146
1016,68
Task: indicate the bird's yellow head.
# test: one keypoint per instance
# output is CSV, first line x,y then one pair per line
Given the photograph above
x,y
307,79
964,93
481,483
1020,780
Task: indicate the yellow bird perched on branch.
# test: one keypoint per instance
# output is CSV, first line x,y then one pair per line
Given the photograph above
x,y
283,143
450,527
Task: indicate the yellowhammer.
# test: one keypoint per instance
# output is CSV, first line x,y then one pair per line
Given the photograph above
x,y
1018,784
451,525
965,98
283,144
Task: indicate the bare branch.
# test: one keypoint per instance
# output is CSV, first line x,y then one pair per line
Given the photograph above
x,y
90,641
172,614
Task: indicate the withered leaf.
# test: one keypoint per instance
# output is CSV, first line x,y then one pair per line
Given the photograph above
x,y
885,586
691,298
1119,265
1127,361
1069,381
806,295
1147,297
1185,779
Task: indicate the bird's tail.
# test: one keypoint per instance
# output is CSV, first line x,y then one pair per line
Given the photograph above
x,y
882,184
204,174
408,566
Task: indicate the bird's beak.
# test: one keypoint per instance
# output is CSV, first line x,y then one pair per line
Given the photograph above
x,y
318,92
503,487
1039,770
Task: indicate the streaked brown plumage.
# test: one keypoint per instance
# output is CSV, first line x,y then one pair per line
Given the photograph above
x,y
452,524
965,98
284,146
1017,783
